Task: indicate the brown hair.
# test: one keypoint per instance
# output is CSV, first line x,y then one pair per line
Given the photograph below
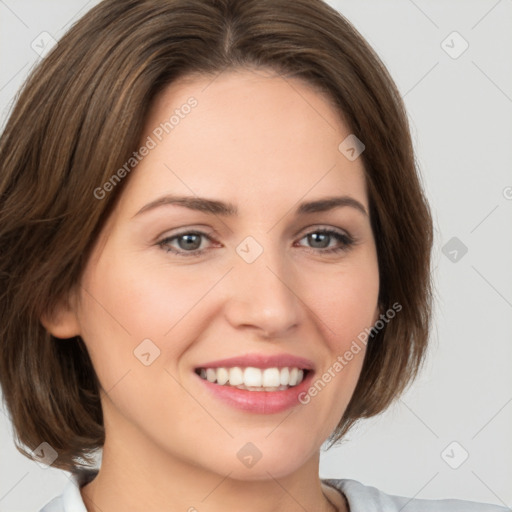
x,y
79,117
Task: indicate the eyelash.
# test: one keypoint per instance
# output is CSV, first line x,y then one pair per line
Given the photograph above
x,y
346,241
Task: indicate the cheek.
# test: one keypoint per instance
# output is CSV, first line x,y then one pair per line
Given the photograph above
x,y
126,301
144,300
347,303
129,300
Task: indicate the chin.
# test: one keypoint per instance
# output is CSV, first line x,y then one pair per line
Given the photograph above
x,y
262,458
261,471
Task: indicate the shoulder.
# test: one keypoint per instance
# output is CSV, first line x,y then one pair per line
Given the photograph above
x,y
371,499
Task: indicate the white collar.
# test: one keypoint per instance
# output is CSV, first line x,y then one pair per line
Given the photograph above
x,y
71,498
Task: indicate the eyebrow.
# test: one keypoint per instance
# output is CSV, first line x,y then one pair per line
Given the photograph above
x,y
215,207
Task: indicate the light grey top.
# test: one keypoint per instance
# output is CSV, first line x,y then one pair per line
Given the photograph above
x,y
360,497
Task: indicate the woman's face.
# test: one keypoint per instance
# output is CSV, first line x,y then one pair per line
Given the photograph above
x,y
171,289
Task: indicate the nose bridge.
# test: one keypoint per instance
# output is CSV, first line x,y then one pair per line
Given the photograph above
x,y
261,294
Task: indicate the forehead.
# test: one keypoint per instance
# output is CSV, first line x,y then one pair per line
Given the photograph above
x,y
250,136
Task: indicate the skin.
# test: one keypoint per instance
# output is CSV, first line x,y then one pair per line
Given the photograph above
x,y
265,144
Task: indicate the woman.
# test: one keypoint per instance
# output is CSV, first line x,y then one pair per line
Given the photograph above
x,y
230,261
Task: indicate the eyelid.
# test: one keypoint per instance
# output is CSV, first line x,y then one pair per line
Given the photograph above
x,y
211,233
344,238
323,227
206,231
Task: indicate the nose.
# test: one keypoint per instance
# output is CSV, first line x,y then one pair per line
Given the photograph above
x,y
261,295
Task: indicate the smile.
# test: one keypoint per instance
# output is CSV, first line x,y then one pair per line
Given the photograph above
x,y
254,379
256,383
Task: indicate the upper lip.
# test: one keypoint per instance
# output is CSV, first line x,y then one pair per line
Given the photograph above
x,y
261,361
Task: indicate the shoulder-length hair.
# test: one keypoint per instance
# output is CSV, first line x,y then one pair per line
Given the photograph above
x,y
79,117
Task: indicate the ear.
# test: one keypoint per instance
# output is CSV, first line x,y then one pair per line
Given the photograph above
x,y
62,321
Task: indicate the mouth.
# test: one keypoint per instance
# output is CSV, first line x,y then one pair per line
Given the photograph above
x,y
257,383
250,378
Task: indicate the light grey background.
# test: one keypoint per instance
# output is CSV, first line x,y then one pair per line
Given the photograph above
x,y
461,117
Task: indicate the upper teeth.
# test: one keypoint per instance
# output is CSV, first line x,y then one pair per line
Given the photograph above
x,y
250,377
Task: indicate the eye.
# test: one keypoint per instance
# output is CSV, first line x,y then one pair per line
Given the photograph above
x,y
189,242
321,239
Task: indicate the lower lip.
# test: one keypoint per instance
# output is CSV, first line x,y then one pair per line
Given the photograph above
x,y
259,402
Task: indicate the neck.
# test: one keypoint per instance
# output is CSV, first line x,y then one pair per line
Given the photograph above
x,y
137,476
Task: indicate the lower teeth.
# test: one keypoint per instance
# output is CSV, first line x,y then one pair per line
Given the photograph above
x,y
253,388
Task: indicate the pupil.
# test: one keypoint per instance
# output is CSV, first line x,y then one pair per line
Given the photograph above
x,y
189,238
315,236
